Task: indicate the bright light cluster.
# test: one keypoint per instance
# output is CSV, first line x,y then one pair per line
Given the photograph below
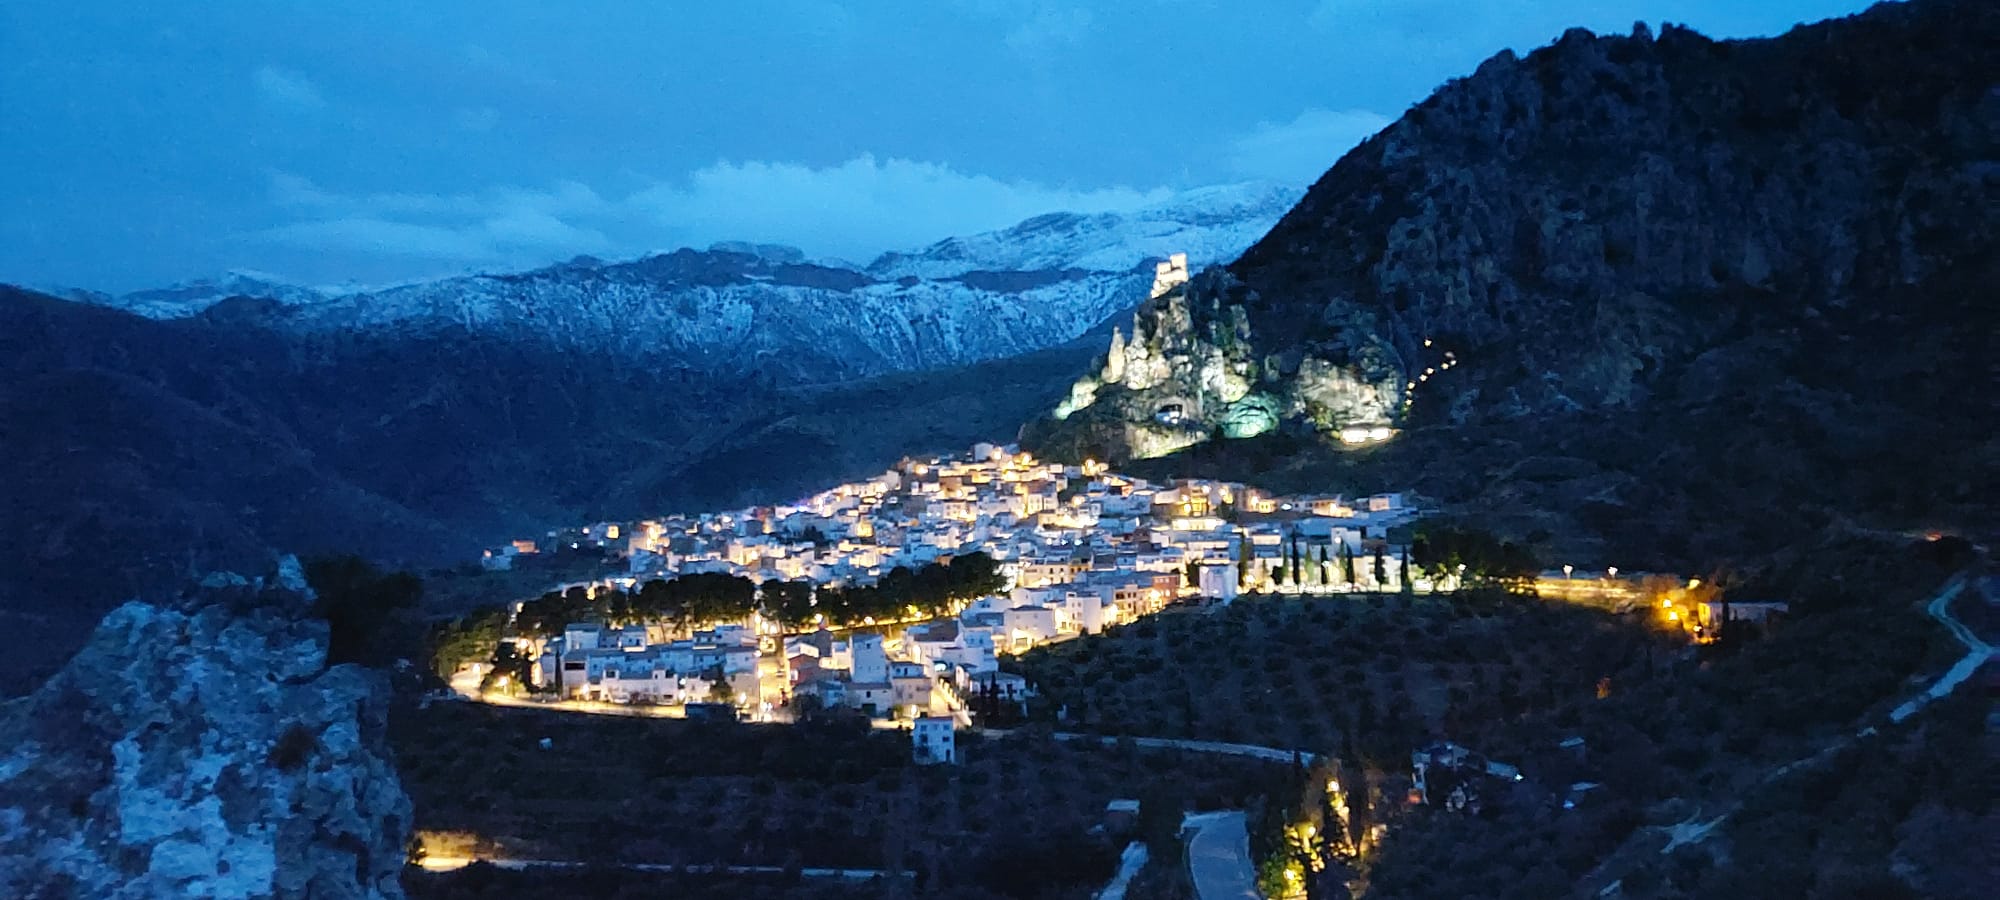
x,y
1410,387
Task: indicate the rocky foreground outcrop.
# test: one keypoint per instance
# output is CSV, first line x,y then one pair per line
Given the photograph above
x,y
203,749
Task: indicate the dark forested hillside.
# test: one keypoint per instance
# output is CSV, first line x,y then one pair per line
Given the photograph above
x,y
1656,299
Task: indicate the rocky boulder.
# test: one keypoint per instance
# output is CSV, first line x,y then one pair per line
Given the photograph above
x,y
203,749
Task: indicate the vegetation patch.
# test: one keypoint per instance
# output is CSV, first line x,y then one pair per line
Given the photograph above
x,y
624,790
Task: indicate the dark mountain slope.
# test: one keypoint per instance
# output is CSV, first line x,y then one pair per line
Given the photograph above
x,y
1657,301
1607,207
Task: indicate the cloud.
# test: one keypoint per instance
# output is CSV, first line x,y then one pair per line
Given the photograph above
x,y
856,210
281,87
564,198
863,206
1299,151
1035,29
501,226
1048,29
1334,16
1448,27
381,237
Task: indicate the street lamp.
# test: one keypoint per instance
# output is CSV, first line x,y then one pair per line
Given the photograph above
x,y
1567,569
1611,572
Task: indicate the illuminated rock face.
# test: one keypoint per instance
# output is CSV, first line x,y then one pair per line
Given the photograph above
x,y
1190,372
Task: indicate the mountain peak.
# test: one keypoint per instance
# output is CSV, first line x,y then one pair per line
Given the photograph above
x,y
777,253
1211,224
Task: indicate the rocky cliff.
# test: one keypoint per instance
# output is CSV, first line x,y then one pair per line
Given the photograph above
x,y
1191,372
203,749
1788,242
1562,232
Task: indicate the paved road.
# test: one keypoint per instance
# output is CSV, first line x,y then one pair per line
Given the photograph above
x,y
1218,856
448,863
1129,864
1272,754
1977,652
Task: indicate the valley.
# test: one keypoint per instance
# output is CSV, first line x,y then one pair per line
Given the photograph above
x,y
1584,489
177,431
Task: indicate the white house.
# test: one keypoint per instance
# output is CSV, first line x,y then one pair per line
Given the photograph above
x,y
910,686
1086,609
871,660
1218,581
1026,626
932,740
582,635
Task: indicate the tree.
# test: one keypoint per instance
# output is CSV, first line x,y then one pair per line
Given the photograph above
x,y
1403,574
1354,781
719,690
1441,549
1347,563
659,603
469,638
356,599
1160,811
1381,569
789,603
973,575
508,664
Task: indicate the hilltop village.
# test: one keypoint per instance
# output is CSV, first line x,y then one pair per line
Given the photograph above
x,y
896,595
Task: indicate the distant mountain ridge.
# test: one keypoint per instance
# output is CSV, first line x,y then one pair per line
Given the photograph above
x,y
1210,223
191,297
739,308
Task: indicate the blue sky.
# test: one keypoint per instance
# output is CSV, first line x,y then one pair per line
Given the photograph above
x,y
365,141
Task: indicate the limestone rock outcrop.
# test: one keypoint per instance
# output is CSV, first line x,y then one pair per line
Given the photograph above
x,y
1191,371
203,749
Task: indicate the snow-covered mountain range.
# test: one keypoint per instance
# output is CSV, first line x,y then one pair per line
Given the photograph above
x,y
739,308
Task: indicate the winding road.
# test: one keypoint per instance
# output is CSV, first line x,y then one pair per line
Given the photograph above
x,y
1218,856
450,863
1978,652
1268,754
1129,864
